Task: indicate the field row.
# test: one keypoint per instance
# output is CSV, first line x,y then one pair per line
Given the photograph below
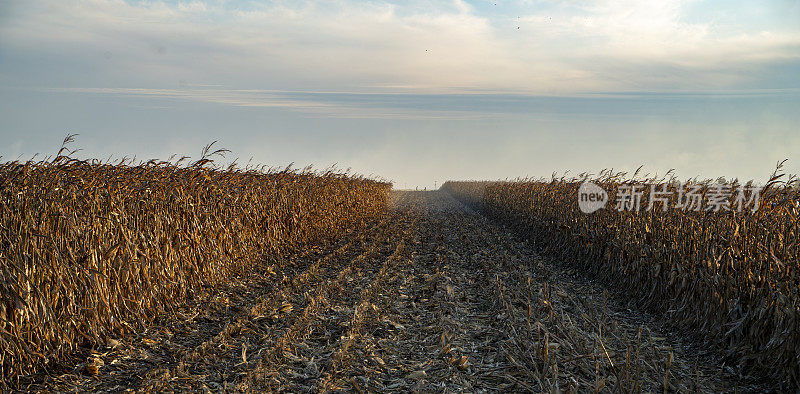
x,y
731,276
430,298
90,252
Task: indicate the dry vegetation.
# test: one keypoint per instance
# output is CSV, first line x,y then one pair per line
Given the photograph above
x,y
92,251
429,298
730,278
162,276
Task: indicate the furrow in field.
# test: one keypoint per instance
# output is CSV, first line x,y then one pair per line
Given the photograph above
x,y
218,361
568,333
365,311
326,313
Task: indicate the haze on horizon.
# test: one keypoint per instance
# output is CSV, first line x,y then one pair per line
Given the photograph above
x,y
416,92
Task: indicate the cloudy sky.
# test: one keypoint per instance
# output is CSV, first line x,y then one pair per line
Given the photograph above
x,y
416,92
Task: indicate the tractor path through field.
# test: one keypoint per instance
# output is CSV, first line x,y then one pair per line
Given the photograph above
x,y
433,298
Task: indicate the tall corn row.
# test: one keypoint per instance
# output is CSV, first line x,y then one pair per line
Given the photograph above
x,y
91,250
734,277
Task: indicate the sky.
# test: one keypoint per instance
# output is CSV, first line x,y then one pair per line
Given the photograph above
x,y
416,92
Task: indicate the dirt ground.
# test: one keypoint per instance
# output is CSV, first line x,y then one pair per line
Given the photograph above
x,y
432,298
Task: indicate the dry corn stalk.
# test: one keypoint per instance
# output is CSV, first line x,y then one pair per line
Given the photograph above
x,y
733,276
89,250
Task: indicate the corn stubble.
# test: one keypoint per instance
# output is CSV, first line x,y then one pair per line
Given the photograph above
x,y
732,277
91,251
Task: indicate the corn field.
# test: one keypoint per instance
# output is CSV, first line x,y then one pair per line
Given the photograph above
x,y
94,250
186,276
731,276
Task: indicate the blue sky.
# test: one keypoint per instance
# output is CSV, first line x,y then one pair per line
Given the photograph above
x,y
415,91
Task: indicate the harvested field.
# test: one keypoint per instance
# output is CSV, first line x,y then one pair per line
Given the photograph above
x,y
729,278
376,214
430,297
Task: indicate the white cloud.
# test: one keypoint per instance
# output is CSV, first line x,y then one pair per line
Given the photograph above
x,y
581,46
